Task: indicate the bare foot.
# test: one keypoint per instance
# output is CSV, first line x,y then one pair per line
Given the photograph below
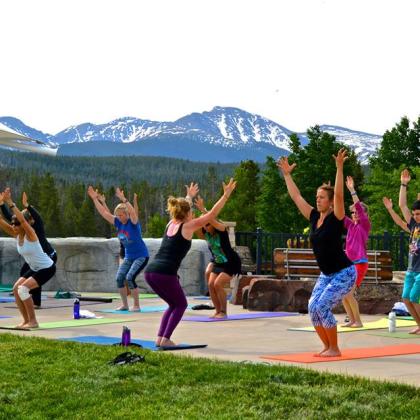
x,y
158,341
347,324
214,315
121,308
331,353
220,315
135,309
415,331
356,325
21,325
167,343
31,325
319,354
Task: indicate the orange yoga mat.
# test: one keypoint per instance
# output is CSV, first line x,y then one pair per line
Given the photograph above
x,y
349,354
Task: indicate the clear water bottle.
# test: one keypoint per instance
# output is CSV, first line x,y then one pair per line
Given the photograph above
x,y
392,322
76,309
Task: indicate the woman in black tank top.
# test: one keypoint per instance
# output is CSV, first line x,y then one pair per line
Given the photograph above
x,y
162,272
338,274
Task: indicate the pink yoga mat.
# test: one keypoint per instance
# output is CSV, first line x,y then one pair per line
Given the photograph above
x,y
238,317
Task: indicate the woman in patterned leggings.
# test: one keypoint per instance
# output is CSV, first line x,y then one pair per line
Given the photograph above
x,y
338,274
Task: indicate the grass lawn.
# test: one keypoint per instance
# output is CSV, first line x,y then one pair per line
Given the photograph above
x,y
43,379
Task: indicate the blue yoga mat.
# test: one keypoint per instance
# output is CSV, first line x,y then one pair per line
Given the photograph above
x,y
147,344
143,309
6,299
238,317
5,316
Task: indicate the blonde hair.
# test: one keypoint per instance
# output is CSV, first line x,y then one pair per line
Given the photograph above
x,y
364,207
120,207
178,208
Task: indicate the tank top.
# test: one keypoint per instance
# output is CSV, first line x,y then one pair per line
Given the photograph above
x,y
172,251
33,254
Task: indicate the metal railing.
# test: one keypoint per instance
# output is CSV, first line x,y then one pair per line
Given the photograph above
x,y
262,245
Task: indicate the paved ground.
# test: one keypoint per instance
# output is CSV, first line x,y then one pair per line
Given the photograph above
x,y
244,340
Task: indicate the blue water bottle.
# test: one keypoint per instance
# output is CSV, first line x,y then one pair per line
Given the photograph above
x,y
76,309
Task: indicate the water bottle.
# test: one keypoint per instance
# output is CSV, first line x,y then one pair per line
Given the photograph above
x,y
392,322
76,309
126,337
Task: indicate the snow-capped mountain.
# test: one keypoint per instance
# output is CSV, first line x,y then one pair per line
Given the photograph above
x,y
222,134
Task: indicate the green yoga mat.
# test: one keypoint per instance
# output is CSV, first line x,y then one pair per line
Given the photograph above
x,y
116,295
6,287
395,335
70,323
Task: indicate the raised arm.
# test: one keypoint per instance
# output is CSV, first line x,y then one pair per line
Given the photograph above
x,y
363,217
29,231
104,212
405,179
395,217
199,204
295,195
131,212
38,222
339,210
194,224
7,228
5,209
136,204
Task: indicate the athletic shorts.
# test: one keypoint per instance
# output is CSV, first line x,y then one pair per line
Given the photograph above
x,y
41,276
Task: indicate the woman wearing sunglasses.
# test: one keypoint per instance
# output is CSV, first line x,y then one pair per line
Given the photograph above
x,y
41,267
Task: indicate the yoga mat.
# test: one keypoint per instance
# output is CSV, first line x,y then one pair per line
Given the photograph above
x,y
6,299
349,354
5,316
238,317
143,309
69,323
147,344
374,325
6,287
53,305
395,334
117,296
201,297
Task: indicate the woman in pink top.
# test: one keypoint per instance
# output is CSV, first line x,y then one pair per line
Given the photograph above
x,y
358,228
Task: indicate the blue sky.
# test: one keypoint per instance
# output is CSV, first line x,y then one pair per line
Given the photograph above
x,y
298,62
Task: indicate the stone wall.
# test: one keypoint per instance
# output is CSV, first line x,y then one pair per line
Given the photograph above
x,y
271,294
90,265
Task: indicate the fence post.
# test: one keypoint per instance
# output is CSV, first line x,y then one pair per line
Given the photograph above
x,y
259,250
386,240
401,262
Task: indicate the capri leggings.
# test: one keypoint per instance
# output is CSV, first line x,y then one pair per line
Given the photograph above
x,y
129,270
328,291
411,289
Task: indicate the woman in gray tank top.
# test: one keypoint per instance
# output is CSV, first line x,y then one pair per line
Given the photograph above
x,y
41,266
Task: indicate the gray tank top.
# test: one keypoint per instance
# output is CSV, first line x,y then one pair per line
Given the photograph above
x,y
33,254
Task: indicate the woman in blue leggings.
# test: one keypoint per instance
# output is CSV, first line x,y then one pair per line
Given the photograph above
x,y
338,274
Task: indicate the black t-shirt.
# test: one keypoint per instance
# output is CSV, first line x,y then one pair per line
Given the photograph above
x,y
327,243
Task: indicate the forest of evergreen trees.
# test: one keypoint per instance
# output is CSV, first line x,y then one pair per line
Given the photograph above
x,y
57,185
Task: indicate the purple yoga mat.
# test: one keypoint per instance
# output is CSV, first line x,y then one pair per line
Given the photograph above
x,y
240,316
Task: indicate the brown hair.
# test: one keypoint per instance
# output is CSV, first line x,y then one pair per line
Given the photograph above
x,y
329,189
178,208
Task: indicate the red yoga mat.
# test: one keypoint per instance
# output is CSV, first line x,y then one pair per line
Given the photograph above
x,y
349,354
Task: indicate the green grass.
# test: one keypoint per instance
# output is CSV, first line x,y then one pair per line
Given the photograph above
x,y
42,379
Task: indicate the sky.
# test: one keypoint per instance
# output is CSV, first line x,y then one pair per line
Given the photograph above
x,y
351,63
